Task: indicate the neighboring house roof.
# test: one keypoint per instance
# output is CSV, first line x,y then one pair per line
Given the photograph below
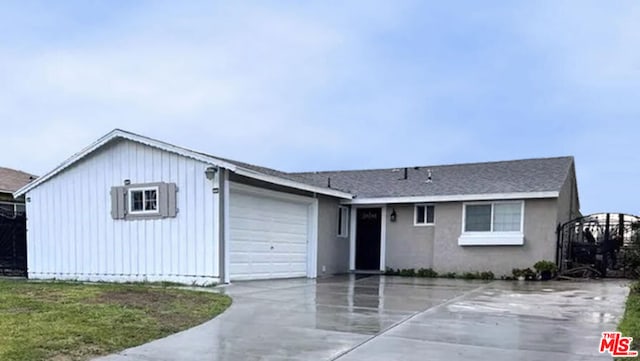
x,y
260,173
11,179
528,178
517,179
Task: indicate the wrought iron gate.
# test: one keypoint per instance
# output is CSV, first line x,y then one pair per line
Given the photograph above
x,y
596,245
13,245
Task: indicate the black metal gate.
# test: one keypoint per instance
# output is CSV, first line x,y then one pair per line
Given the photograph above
x,y
13,245
596,245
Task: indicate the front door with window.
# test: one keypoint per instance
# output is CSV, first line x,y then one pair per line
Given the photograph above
x,y
368,231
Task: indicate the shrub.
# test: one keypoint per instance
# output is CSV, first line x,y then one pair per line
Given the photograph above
x,y
410,272
517,272
545,266
449,275
488,275
392,272
470,275
427,272
529,274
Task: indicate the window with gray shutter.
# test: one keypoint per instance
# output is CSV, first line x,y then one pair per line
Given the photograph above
x,y
144,201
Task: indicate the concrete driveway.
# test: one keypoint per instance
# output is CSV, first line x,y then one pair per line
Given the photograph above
x,y
389,318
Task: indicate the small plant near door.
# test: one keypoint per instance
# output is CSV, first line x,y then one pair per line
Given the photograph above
x,y
545,269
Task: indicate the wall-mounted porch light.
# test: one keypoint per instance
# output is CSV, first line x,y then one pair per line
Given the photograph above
x,y
393,215
210,172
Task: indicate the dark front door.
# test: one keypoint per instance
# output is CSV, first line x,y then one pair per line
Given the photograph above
x,y
368,226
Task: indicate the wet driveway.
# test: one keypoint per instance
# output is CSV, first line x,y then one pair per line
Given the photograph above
x,y
390,318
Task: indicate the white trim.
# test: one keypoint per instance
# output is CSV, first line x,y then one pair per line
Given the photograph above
x,y
383,238
144,200
312,249
352,239
293,184
227,230
312,215
344,221
104,277
415,215
215,198
491,237
453,198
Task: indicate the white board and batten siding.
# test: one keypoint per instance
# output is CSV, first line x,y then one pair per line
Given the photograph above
x,y
272,234
74,236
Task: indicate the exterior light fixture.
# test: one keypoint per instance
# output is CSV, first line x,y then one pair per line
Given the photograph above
x,y
210,172
393,216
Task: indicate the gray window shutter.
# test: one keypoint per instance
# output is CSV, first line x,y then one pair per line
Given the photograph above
x,y
172,203
167,199
118,202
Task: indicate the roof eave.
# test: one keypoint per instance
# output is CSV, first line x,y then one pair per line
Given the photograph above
x,y
292,184
454,198
117,133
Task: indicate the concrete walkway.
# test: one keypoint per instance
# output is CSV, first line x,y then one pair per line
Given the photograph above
x,y
390,318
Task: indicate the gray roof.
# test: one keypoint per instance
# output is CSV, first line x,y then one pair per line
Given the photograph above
x,y
516,176
11,180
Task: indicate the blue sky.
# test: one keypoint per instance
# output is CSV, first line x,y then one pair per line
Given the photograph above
x,y
330,84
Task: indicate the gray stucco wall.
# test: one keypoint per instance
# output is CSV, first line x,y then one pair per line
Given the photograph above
x,y
539,232
568,203
408,246
333,251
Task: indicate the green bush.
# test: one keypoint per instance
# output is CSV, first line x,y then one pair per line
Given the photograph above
x,y
545,266
427,272
410,272
487,275
392,272
470,275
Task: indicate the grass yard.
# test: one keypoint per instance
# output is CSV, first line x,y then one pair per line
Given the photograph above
x,y
630,324
62,321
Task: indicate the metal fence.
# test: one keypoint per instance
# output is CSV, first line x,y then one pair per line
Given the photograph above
x,y
13,244
596,245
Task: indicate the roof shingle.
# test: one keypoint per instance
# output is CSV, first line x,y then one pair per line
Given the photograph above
x,y
528,175
11,180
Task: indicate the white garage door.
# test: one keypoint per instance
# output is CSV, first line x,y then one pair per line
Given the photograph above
x,y
268,236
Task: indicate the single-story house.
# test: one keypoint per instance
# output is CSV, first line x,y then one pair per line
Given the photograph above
x,y
132,208
10,181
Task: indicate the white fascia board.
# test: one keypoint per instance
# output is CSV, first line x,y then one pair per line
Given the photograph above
x,y
117,133
453,198
292,184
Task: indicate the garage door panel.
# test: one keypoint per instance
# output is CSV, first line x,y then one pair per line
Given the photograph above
x,y
269,237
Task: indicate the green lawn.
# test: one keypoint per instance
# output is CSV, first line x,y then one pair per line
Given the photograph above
x,y
630,324
73,321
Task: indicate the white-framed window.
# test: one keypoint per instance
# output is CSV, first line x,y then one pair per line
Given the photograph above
x,y
143,200
424,215
343,221
492,223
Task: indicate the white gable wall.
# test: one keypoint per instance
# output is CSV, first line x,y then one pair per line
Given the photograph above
x,y
71,234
